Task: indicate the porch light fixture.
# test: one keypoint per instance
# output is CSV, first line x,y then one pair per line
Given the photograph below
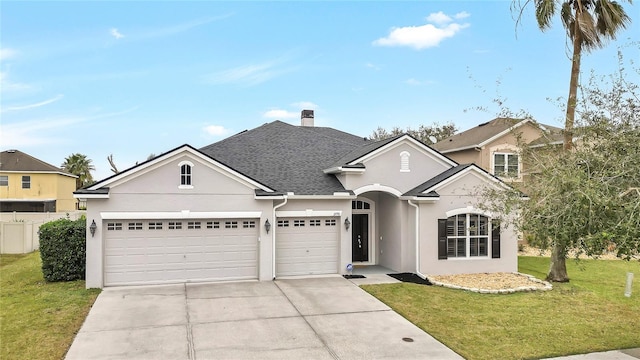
x,y
347,223
267,226
93,227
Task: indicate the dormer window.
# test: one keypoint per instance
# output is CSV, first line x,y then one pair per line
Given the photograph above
x,y
186,175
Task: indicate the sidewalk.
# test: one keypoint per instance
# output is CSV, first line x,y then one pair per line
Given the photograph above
x,y
628,354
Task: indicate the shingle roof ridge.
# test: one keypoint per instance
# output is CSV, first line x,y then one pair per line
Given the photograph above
x,y
310,128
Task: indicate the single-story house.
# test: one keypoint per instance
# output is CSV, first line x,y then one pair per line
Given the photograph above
x,y
283,200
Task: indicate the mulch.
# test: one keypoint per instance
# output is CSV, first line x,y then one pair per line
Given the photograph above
x,y
410,278
354,276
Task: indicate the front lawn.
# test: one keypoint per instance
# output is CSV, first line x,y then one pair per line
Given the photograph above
x,y
38,320
588,314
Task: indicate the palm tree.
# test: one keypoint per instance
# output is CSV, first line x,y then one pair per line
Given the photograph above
x,y
79,165
589,24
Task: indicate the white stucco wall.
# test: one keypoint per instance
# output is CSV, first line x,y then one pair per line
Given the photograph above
x,y
385,169
156,190
456,195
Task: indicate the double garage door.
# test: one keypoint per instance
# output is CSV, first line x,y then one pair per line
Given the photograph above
x,y
165,251
307,246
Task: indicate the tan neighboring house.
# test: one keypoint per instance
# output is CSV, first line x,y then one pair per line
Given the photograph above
x,y
493,145
28,184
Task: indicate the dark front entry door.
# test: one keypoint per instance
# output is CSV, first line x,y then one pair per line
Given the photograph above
x,y
360,238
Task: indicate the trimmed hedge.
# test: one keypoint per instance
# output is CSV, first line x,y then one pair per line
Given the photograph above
x,y
63,249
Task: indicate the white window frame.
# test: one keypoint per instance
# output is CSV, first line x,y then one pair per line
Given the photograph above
x,y
186,179
467,236
26,180
505,150
4,180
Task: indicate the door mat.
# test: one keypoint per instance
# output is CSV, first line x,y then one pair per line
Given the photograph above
x,y
411,278
354,276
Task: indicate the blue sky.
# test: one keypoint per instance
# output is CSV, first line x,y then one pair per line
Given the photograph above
x,y
136,78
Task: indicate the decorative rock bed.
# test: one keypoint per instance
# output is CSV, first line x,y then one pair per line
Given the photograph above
x,y
494,283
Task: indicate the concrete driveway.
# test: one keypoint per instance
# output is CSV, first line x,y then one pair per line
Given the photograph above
x,y
315,318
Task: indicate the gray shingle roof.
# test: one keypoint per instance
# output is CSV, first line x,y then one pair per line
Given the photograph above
x,y
287,158
360,151
15,160
418,190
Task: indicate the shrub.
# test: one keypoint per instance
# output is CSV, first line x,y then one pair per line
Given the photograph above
x,y
63,249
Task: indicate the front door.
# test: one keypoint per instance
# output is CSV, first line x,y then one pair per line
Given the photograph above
x,y
360,238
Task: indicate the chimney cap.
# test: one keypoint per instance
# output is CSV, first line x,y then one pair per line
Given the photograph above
x,y
307,114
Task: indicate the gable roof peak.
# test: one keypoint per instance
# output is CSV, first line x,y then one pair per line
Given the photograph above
x,y
16,160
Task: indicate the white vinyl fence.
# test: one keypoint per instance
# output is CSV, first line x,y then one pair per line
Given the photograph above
x,y
19,231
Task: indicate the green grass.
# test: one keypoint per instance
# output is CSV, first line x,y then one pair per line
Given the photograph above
x,y
38,320
588,314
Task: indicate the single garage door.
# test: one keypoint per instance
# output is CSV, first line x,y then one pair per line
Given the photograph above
x,y
307,246
166,251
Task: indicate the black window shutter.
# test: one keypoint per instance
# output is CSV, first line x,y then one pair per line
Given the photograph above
x,y
495,240
442,239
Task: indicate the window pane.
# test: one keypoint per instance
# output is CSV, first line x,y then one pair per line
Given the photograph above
x,y
482,246
473,225
451,227
451,247
4,180
512,165
462,225
26,182
461,247
473,246
484,225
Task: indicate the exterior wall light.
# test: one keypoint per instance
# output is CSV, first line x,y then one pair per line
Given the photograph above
x,y
267,226
93,227
347,223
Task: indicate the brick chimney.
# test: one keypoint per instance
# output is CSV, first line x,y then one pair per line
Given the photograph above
x,y
306,118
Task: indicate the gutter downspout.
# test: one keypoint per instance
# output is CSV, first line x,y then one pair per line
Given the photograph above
x,y
273,236
417,239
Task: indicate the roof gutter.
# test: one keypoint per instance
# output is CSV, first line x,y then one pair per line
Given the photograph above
x,y
417,239
273,235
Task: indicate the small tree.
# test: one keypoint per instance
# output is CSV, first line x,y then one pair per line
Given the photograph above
x,y
587,199
426,134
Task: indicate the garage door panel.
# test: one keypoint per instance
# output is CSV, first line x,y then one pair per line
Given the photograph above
x,y
303,249
146,256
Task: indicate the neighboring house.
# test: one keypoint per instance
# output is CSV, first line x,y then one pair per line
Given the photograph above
x,y
31,185
282,200
494,145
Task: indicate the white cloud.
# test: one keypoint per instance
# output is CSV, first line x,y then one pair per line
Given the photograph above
x,y
425,36
6,53
115,33
439,18
216,130
32,106
179,28
305,105
372,66
462,15
413,81
250,75
45,130
280,114
7,86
